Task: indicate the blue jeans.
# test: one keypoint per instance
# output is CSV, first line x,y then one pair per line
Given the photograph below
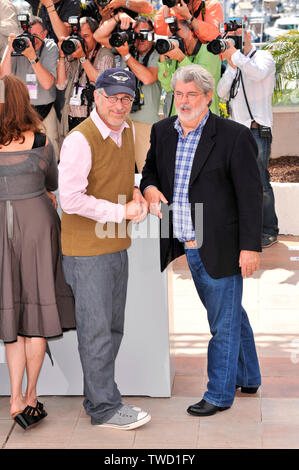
x,y
270,222
99,284
232,357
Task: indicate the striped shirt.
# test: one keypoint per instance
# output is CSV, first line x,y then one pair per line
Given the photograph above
x,y
182,223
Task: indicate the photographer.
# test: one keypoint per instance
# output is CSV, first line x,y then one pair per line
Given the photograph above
x,y
203,17
248,85
8,23
140,56
102,10
55,14
185,50
77,73
36,66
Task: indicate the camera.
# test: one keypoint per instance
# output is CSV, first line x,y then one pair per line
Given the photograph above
x,y
21,42
145,35
138,99
219,45
172,3
119,37
163,46
102,3
87,94
71,44
232,25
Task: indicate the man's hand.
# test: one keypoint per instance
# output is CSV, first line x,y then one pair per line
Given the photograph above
x,y
78,52
29,52
133,211
183,10
11,38
153,197
114,4
125,20
227,54
123,50
175,53
249,262
139,199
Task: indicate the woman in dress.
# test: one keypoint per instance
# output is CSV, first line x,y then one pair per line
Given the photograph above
x,y
35,301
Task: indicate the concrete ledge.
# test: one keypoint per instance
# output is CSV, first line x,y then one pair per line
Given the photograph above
x,y
286,206
285,131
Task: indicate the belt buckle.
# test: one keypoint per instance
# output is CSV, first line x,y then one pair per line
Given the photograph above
x,y
191,244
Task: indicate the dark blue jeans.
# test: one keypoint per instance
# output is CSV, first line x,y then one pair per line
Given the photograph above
x,y
270,222
232,357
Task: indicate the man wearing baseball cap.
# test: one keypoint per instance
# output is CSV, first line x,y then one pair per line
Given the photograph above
x,y
98,198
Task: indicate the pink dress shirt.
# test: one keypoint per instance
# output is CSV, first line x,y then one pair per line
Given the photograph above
x,y
74,168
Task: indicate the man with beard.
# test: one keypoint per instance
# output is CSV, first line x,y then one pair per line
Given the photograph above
x,y
205,168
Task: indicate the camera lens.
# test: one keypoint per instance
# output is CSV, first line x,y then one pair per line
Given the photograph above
x,y
217,46
20,43
163,46
118,39
102,3
69,46
169,3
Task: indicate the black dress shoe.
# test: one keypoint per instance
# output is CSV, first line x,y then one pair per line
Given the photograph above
x,y
203,408
247,389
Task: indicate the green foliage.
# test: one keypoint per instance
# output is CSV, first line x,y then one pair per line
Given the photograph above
x,y
285,50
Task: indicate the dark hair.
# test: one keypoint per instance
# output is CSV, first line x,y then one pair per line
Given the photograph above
x,y
37,20
92,23
145,19
16,113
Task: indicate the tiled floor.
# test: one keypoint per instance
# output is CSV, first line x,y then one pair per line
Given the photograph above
x,y
269,419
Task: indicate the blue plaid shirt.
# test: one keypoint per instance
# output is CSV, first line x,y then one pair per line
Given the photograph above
x,y
182,223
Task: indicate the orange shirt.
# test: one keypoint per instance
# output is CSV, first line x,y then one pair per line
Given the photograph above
x,y
208,29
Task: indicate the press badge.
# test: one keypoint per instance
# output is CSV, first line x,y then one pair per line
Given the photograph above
x,y
76,98
31,82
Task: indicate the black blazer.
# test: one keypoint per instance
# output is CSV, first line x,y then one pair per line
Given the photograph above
x,y
225,178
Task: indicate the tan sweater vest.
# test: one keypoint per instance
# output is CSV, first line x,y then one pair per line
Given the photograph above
x,y
111,178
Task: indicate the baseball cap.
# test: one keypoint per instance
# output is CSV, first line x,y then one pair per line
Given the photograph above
x,y
117,80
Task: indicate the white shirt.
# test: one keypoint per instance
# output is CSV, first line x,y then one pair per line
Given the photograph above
x,y
258,73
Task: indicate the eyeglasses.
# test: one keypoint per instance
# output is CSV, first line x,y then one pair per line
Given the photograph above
x,y
125,100
191,95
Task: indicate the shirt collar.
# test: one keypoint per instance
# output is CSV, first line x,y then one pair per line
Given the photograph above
x,y
198,129
103,128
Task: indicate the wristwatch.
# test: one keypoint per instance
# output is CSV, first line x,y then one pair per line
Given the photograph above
x,y
34,61
126,57
83,59
190,21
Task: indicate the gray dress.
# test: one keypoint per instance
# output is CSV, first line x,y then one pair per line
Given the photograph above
x,y
35,299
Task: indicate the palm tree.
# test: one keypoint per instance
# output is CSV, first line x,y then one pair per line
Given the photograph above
x,y
285,50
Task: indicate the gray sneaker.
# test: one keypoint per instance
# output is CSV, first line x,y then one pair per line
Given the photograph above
x,y
127,418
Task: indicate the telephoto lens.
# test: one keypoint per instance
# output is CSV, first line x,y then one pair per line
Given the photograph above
x,y
20,43
70,45
118,39
217,46
164,45
102,3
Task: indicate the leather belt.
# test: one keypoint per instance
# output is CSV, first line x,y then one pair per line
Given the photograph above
x,y
191,244
254,125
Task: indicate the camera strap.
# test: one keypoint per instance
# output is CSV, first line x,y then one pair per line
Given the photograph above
x,y
245,96
202,9
81,69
